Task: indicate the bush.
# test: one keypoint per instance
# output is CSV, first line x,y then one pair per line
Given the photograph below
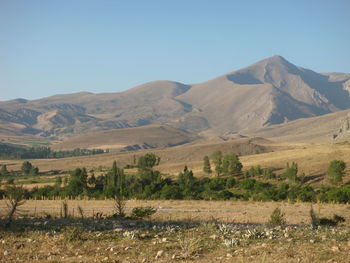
x,y
119,206
269,174
171,192
247,184
277,217
142,212
339,195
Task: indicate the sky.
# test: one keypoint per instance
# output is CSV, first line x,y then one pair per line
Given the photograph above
x,y
65,46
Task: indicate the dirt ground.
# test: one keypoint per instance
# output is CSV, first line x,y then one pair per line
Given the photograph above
x,y
223,211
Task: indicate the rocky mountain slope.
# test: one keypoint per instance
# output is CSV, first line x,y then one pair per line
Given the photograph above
x,y
271,91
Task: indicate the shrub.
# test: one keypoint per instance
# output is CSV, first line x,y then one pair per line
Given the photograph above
x,y
339,195
230,182
277,217
14,196
269,174
247,184
142,212
119,206
171,192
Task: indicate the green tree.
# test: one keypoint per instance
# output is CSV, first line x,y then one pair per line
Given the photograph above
x,y
26,167
34,170
291,172
148,161
217,160
77,183
206,165
3,170
231,164
336,171
115,181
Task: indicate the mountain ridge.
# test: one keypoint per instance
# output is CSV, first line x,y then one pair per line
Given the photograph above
x,y
270,91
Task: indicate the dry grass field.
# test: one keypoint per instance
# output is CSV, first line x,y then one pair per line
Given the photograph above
x,y
196,210
180,231
312,159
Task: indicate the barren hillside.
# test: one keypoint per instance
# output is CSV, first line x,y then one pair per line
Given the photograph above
x,y
271,91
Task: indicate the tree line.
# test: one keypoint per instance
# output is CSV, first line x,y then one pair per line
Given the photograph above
x,y
230,183
10,151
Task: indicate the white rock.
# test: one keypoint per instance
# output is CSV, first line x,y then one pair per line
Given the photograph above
x,y
7,252
214,237
335,249
159,254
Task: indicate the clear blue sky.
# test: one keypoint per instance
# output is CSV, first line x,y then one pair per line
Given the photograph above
x,y
66,46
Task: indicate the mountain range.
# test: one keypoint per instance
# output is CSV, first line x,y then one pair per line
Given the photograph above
x,y
271,91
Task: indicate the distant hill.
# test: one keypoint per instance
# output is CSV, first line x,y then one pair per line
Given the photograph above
x,y
271,91
333,127
146,137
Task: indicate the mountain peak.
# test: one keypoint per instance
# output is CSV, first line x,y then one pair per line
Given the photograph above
x,y
276,59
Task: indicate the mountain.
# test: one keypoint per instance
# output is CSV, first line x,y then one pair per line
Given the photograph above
x,y
271,91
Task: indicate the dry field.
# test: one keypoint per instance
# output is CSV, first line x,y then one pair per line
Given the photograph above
x,y
196,210
180,231
313,159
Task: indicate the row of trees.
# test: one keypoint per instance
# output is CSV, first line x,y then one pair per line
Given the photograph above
x,y
150,184
230,182
27,169
9,151
228,164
